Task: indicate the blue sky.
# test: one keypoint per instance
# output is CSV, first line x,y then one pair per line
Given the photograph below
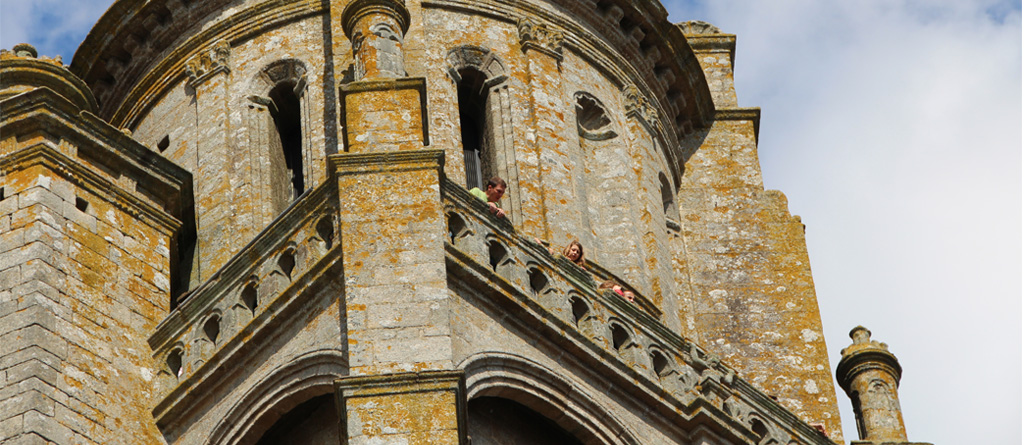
x,y
894,127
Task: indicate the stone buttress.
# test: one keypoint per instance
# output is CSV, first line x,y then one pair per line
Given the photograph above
x,y
88,224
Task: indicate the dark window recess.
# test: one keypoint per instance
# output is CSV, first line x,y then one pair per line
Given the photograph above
x,y
163,144
212,329
174,362
288,120
81,204
1,193
590,114
473,122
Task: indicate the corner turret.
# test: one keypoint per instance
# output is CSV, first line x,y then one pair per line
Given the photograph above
x,y
870,375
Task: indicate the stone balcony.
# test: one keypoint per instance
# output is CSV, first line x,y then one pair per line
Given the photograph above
x,y
629,337
299,254
253,291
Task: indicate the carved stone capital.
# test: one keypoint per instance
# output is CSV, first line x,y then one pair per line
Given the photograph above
x,y
208,63
541,38
637,106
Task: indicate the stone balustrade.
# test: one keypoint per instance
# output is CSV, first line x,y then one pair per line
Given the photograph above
x,y
628,336
217,318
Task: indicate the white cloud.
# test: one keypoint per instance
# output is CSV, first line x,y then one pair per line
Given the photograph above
x,y
54,27
895,130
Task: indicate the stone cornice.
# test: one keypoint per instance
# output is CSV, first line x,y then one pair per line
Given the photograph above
x,y
703,43
135,97
27,72
357,163
752,114
163,191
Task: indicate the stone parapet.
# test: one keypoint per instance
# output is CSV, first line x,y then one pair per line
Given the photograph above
x,y
551,294
258,288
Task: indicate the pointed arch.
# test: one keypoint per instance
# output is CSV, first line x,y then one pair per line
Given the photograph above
x,y
279,129
528,383
485,117
280,391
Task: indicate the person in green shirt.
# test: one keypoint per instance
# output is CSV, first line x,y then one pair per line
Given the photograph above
x,y
495,190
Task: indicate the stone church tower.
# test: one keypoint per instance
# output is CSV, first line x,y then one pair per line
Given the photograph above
x,y
249,222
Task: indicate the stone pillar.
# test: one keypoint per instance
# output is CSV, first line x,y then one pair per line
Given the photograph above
x,y
208,74
422,407
377,30
715,52
382,110
392,236
870,375
551,204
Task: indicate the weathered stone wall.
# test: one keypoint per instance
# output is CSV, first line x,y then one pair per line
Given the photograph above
x,y
751,296
84,275
220,130
725,263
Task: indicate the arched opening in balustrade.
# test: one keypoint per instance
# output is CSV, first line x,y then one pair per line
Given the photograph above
x,y
174,362
668,200
580,309
286,262
456,227
325,230
538,281
212,328
759,428
249,297
497,253
660,363
620,337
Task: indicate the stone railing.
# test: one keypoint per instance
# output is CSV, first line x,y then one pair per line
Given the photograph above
x,y
623,334
215,319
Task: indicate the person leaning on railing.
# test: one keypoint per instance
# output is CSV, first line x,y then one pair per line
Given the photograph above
x,y
495,190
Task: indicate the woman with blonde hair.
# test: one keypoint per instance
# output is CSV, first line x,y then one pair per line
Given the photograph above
x,y
573,251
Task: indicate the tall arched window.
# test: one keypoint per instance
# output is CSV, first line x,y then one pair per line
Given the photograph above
x,y
277,120
473,122
288,122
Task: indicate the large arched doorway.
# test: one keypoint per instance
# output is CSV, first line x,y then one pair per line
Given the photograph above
x,y
498,421
314,421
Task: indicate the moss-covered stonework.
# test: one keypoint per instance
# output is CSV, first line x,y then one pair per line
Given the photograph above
x,y
275,210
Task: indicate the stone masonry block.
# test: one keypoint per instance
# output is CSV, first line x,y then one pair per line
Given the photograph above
x,y
26,401
34,335
23,254
47,427
11,427
39,195
27,215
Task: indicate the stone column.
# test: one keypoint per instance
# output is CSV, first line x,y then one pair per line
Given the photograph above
x,y
208,74
377,30
870,375
396,297
383,110
551,205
